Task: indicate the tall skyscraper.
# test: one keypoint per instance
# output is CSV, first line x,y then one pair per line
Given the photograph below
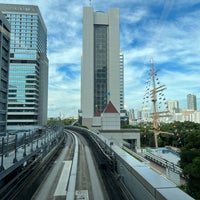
x,y
4,71
28,76
191,102
100,72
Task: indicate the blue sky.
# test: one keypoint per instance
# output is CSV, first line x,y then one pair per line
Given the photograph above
x,y
166,31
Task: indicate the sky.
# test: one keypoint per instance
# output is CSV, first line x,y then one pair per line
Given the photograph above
x,y
165,31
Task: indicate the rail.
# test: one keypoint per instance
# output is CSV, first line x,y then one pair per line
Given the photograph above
x,y
163,162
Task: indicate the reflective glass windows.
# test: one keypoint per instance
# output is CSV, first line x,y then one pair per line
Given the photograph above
x,y
100,67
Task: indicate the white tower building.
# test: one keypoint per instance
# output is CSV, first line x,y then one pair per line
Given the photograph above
x,y
100,72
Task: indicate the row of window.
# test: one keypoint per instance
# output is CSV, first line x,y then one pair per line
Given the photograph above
x,y
34,46
24,77
16,55
28,33
22,117
27,27
21,16
23,91
25,51
22,110
24,37
24,101
19,106
23,67
16,82
18,100
24,22
22,96
21,86
34,31
22,71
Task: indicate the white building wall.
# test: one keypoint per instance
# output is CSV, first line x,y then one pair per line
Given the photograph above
x,y
110,121
113,66
87,70
114,58
179,117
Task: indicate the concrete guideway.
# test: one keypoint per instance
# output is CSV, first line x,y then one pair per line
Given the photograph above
x,y
88,184
63,181
47,189
73,174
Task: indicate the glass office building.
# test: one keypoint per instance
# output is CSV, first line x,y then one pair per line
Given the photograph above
x,y
4,71
28,77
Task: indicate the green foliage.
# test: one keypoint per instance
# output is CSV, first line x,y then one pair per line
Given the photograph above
x,y
190,162
66,121
186,136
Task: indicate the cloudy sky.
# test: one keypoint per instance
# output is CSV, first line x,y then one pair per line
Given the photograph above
x,y
167,31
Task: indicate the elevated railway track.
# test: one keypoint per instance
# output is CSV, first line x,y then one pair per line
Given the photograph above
x,y
76,164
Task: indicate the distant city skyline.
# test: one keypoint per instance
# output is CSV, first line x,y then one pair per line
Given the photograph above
x,y
167,31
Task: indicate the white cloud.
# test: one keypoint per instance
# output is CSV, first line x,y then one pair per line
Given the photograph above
x,y
167,31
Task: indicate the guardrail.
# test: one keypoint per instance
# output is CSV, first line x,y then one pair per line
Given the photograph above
x,y
19,150
164,162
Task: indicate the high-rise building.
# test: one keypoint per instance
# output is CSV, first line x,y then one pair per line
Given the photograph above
x,y
173,106
28,76
4,70
131,114
191,102
100,72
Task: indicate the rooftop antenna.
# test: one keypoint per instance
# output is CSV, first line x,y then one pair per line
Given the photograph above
x,y
90,2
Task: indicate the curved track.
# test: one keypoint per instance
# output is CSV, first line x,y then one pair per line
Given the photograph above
x,y
60,176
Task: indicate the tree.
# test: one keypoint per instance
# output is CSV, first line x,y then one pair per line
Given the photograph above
x,y
190,162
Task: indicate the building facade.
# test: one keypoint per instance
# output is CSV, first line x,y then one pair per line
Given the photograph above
x,y
4,71
191,102
28,77
173,106
100,70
